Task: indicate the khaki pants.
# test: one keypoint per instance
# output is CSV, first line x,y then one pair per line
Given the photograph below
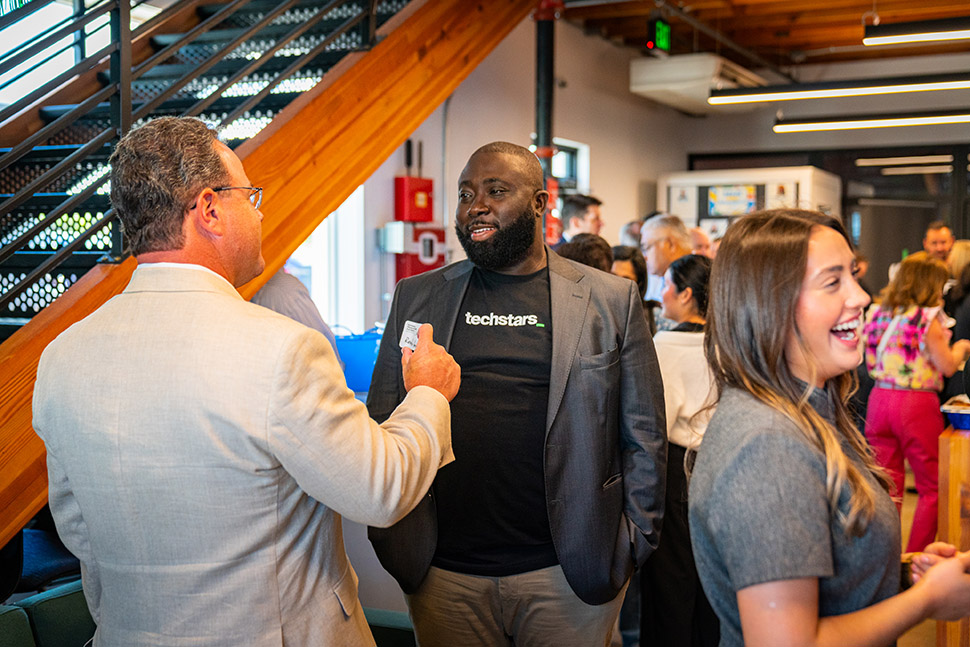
x,y
534,609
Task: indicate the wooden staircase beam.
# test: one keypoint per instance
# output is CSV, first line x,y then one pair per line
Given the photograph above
x,y
310,159
23,461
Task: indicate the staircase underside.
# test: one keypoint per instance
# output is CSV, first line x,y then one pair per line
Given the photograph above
x,y
310,159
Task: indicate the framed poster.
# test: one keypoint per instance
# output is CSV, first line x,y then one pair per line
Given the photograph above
x,y
714,227
732,200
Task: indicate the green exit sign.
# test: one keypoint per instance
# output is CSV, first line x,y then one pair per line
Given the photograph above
x,y
658,36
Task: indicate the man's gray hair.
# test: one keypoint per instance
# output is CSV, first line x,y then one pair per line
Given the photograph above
x,y
157,170
669,226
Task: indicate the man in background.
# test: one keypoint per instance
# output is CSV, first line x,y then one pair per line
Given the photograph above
x,y
630,233
700,242
938,240
663,239
580,215
286,294
589,249
200,480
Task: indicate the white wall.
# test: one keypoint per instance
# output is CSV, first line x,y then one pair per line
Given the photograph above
x,y
631,140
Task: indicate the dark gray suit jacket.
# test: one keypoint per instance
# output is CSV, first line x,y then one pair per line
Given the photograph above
x,y
606,441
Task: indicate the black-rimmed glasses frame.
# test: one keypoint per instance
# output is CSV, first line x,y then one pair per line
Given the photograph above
x,y
255,193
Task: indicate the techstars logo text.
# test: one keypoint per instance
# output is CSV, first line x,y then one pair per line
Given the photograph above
x,y
510,320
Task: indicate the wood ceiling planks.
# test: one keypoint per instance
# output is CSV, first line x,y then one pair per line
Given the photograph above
x,y
781,30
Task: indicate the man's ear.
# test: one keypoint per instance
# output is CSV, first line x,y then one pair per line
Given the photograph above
x,y
540,200
206,214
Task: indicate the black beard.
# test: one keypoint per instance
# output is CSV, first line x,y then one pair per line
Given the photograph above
x,y
508,246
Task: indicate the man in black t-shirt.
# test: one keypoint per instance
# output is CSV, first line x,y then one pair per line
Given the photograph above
x,y
556,494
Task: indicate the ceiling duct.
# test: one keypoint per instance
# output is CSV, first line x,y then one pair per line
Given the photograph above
x,y
685,81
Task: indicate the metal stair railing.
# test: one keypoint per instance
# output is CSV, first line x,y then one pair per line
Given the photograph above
x,y
294,67
45,41
122,113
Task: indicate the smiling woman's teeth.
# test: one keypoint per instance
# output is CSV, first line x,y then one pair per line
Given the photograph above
x,y
847,331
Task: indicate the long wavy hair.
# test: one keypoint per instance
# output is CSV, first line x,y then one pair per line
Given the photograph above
x,y
755,286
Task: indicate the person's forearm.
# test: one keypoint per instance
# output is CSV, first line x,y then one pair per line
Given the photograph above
x,y
957,357
878,625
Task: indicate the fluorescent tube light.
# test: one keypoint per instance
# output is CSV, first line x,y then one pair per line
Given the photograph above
x,y
917,32
899,161
872,121
849,88
916,170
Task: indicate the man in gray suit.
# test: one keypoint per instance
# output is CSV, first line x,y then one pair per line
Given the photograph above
x,y
557,493
201,449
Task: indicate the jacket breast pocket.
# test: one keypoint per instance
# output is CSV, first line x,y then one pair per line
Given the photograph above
x,y
599,378
600,360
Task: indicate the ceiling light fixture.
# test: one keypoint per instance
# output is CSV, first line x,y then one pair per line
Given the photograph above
x,y
904,161
872,121
917,32
916,170
848,88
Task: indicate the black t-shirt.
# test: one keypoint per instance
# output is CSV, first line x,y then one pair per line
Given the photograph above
x,y
491,501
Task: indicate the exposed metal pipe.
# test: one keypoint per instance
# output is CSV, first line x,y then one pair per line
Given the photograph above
x,y
545,18
721,38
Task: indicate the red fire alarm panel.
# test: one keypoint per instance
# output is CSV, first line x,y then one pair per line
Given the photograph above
x,y
412,199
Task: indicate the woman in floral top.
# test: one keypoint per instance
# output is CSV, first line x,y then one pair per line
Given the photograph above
x,y
908,353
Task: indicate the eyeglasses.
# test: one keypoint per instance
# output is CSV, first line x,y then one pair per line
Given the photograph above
x,y
255,192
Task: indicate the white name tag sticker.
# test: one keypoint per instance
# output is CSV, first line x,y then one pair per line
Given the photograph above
x,y
409,336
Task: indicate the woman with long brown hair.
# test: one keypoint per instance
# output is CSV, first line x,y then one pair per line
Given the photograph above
x,y
795,536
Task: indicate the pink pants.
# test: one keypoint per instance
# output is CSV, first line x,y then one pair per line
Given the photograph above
x,y
907,424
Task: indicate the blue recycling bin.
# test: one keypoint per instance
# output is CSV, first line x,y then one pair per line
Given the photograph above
x,y
359,354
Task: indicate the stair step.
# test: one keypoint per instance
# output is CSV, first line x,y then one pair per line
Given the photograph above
x,y
53,154
227,67
67,225
43,202
69,182
28,260
253,11
269,32
175,106
45,289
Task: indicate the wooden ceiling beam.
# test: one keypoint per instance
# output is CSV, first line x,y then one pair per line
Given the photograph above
x,y
812,17
801,37
617,28
772,28
885,8
606,11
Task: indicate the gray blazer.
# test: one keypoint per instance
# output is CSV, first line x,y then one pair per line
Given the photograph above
x,y
200,452
606,441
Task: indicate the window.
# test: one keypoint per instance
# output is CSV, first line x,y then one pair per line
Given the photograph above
x,y
331,264
61,55
570,165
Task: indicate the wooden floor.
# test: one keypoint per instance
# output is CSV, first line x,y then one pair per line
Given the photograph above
x,y
923,634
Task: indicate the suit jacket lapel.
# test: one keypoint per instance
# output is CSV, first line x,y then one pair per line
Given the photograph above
x,y
569,299
445,306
